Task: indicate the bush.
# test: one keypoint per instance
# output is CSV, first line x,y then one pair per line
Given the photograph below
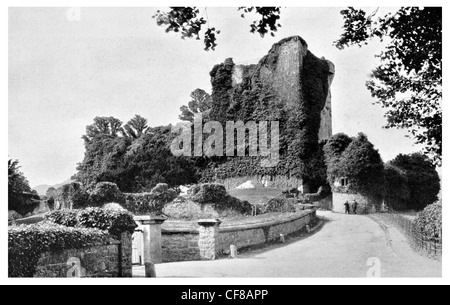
x,y
280,205
106,192
115,222
429,221
150,203
208,193
27,243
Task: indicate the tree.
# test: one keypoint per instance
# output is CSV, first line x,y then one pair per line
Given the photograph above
x,y
189,23
360,162
135,127
102,126
21,198
408,80
422,179
200,103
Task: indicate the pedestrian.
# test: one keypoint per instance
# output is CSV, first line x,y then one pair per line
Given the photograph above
x,y
355,206
347,207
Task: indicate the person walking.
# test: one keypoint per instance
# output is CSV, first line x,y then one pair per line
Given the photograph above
x,y
347,207
355,207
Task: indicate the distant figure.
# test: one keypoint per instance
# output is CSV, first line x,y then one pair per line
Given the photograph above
x,y
355,206
347,207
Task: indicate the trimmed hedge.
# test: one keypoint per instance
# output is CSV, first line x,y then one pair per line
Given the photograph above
x,y
26,243
150,203
429,221
115,222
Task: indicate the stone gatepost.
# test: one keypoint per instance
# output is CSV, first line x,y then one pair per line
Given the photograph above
x,y
208,241
151,226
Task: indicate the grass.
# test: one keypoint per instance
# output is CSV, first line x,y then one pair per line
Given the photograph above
x,y
257,195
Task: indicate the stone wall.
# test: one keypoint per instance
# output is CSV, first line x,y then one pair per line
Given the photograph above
x,y
103,260
182,241
179,246
365,205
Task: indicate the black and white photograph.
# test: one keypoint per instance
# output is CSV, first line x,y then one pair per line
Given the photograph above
x,y
206,143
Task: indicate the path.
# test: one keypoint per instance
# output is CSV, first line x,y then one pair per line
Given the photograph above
x,y
341,248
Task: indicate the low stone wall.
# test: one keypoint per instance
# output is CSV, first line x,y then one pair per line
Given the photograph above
x,y
209,239
103,260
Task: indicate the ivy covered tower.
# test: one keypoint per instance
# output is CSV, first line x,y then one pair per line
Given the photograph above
x,y
289,85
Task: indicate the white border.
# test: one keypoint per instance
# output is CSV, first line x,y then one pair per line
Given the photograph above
x,y
208,281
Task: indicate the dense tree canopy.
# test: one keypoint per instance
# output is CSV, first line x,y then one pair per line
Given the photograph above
x,y
135,157
421,179
408,80
21,198
357,160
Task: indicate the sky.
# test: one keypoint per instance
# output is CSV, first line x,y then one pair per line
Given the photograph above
x,y
68,66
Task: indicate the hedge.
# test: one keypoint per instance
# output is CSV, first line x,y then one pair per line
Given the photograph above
x,y
115,222
429,221
26,243
150,203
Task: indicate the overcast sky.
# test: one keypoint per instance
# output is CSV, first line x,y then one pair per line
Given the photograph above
x,y
118,62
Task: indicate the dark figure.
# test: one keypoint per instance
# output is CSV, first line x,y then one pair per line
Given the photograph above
x,y
347,207
355,207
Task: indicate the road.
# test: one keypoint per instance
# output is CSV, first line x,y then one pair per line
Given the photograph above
x,y
342,247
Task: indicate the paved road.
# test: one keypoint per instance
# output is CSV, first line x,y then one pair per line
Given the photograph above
x,y
342,247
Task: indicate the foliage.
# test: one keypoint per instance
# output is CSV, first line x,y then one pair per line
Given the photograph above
x,y
421,177
429,221
408,81
27,243
71,196
358,161
137,158
281,205
105,192
188,22
135,128
397,189
200,103
215,194
151,203
21,198
254,99
51,194
115,222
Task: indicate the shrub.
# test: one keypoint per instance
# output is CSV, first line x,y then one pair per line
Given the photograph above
x,y
115,222
105,192
216,195
26,244
152,202
429,221
208,193
279,205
